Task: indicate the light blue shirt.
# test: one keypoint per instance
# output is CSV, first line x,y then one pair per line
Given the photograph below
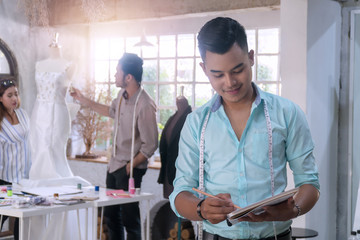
x,y
242,168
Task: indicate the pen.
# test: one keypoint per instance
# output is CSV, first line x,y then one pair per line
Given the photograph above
x,y
209,195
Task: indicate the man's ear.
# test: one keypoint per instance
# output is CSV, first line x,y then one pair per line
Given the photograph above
x,y
251,57
128,77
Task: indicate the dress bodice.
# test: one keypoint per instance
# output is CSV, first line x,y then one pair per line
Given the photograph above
x,y
51,86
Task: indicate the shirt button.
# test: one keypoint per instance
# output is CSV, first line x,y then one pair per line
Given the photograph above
x,y
241,174
240,149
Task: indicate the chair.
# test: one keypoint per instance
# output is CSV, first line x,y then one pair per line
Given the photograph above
x,y
302,233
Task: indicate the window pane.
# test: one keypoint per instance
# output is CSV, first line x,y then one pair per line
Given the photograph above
x,y
151,90
185,70
251,39
101,71
113,65
130,42
187,92
116,48
4,65
167,70
165,114
150,52
203,93
114,91
268,40
167,46
102,94
253,69
150,71
271,88
166,94
197,52
101,49
267,68
186,45
199,74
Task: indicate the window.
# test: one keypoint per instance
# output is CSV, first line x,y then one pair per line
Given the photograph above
x,y
173,64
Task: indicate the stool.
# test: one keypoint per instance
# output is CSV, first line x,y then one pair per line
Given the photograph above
x,y
302,233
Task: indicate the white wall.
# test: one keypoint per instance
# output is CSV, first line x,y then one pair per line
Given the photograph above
x,y
293,50
310,73
21,41
323,83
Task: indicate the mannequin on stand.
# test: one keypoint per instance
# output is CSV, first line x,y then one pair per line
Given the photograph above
x,y
169,144
49,131
50,120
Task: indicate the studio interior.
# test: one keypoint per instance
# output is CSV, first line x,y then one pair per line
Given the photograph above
x,y
307,51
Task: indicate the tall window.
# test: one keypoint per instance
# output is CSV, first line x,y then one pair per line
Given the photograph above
x,y
172,64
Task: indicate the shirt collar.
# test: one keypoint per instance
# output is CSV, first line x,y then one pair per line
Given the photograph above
x,y
259,95
133,97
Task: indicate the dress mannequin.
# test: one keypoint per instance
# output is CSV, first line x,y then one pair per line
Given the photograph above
x,y
49,132
50,120
169,144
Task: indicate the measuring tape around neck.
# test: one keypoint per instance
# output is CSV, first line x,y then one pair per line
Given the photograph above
x,y
132,132
201,160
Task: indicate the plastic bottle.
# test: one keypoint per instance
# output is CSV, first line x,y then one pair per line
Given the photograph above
x,y
352,236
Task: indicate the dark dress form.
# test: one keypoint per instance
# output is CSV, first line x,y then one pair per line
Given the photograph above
x,y
169,145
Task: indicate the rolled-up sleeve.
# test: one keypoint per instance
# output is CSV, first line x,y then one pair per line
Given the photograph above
x,y
148,130
112,109
299,150
187,164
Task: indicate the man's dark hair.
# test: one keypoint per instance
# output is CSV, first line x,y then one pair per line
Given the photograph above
x,y
132,64
219,35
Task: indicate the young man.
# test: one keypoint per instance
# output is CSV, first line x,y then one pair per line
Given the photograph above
x,y
128,76
244,137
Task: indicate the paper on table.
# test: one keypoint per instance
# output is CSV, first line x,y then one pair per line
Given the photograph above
x,y
118,194
49,191
256,208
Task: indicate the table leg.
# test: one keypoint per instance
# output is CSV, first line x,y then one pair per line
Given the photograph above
x,y
101,221
94,223
86,224
78,220
148,221
29,227
21,232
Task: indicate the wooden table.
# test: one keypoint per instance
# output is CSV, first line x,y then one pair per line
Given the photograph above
x,y
302,233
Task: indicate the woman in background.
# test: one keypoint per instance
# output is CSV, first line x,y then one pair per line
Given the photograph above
x,y
15,158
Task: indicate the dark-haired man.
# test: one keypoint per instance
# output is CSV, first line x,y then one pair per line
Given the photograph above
x,y
237,146
128,77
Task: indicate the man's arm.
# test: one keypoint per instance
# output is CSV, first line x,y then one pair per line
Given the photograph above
x,y
212,209
97,107
139,158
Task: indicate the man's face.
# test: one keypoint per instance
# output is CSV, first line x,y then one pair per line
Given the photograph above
x,y
120,77
230,73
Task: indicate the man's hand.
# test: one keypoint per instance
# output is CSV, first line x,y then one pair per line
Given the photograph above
x,y
75,93
280,212
128,169
216,210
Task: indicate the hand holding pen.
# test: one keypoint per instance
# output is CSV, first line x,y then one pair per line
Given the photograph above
x,y
215,208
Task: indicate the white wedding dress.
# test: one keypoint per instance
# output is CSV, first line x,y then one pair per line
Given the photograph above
x,y
50,127
49,130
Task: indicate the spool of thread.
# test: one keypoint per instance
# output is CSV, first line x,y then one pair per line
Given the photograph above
x,y
9,191
137,191
79,186
56,195
131,186
97,188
